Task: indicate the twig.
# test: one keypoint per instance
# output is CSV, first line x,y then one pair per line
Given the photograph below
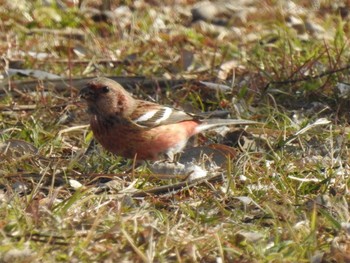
x,y
166,189
62,85
307,78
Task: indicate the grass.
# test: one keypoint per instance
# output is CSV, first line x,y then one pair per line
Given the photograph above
x,y
283,198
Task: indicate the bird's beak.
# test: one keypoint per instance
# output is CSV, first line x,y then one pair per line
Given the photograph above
x,y
86,93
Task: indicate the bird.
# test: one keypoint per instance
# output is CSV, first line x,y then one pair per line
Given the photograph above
x,y
140,129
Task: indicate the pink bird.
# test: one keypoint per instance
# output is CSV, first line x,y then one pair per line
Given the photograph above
x,y
140,129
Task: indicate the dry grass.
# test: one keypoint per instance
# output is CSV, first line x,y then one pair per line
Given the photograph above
x,y
283,199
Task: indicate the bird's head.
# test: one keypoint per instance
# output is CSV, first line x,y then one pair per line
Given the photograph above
x,y
106,97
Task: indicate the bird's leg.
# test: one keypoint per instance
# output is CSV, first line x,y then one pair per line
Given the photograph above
x,y
171,157
91,147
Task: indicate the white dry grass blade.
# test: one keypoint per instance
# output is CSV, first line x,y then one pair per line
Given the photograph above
x,y
75,128
130,188
38,74
304,180
216,86
318,122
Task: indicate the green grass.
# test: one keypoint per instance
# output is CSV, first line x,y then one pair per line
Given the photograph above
x,y
283,199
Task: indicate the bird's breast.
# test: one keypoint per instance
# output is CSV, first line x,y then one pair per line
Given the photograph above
x,y
124,139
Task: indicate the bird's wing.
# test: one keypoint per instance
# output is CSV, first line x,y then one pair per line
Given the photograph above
x,y
149,115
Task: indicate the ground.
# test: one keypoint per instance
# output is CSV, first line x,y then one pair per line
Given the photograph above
x,y
278,192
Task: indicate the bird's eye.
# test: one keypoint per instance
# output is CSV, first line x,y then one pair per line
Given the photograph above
x,y
105,89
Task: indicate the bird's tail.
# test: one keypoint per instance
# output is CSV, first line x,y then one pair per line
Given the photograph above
x,y
212,123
